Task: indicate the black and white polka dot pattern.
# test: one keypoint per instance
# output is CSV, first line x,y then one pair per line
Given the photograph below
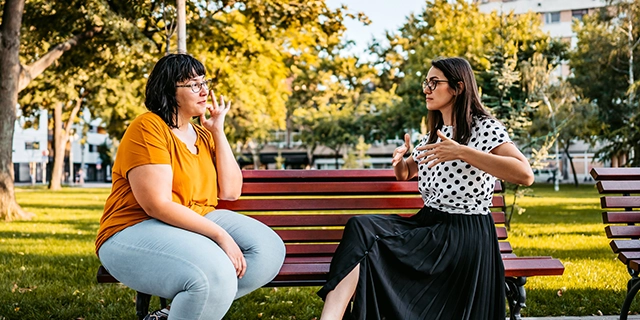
x,y
456,186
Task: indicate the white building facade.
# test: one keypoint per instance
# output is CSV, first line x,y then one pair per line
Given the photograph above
x,y
32,154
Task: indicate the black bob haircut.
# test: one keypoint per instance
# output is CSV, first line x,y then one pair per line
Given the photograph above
x,y
160,93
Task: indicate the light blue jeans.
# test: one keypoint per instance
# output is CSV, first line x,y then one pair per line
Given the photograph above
x,y
191,269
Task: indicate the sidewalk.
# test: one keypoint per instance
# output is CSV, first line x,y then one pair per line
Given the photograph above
x,y
585,318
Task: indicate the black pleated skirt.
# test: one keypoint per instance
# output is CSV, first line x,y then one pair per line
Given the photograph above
x,y
432,265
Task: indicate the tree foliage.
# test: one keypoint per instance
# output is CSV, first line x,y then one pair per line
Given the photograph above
x,y
604,70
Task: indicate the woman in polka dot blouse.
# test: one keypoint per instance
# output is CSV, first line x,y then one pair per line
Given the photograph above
x,y
444,262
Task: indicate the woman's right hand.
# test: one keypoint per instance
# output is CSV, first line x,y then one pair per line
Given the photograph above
x,y
399,152
234,253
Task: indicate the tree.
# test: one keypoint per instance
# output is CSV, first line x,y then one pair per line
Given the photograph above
x,y
563,115
604,70
493,43
9,79
103,65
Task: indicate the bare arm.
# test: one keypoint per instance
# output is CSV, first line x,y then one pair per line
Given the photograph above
x,y
151,186
503,162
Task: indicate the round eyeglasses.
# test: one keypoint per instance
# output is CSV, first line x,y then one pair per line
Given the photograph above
x,y
431,84
197,86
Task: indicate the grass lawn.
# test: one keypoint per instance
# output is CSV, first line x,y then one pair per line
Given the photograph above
x,y
47,265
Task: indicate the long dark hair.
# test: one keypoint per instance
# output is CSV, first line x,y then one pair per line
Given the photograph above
x,y
161,86
466,104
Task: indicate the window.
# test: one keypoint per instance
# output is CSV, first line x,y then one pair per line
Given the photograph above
x,y
32,145
552,17
578,14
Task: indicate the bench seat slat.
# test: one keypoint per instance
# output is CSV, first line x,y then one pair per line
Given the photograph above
x,y
621,217
620,202
607,187
624,245
622,231
528,266
514,267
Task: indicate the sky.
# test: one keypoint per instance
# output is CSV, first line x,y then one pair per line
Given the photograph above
x,y
385,15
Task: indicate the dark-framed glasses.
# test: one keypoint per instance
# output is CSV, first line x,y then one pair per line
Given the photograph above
x,y
196,86
431,84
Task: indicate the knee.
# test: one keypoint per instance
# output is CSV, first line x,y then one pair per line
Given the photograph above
x,y
357,222
218,284
272,251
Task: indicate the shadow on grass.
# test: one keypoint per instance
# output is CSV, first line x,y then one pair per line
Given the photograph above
x,y
567,254
47,236
576,302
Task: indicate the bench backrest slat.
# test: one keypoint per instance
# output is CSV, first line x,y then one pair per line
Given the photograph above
x,y
327,220
627,186
328,188
621,216
352,203
620,202
622,231
334,235
618,174
315,249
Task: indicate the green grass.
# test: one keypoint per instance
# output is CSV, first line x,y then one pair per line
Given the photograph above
x,y
47,265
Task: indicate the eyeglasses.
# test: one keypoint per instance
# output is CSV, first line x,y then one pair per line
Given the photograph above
x,y
431,84
196,87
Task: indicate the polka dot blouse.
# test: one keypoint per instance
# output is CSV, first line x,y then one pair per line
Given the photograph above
x,y
456,186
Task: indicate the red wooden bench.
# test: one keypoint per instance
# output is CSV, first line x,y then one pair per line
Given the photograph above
x,y
309,208
621,190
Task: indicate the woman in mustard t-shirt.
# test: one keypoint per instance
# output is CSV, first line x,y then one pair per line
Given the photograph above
x,y
160,232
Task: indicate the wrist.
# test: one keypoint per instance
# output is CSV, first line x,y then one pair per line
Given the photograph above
x,y
465,153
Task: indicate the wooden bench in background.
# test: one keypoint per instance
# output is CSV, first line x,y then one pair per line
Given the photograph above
x,y
621,190
309,208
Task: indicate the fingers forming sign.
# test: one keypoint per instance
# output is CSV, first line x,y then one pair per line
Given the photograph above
x,y
217,112
400,151
445,150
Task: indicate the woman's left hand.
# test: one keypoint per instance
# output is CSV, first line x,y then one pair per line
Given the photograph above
x,y
217,112
445,150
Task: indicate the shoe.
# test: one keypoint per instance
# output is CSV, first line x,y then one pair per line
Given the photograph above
x,y
162,314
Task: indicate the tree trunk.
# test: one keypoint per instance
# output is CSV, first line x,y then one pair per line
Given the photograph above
x,y
59,146
60,141
9,73
573,168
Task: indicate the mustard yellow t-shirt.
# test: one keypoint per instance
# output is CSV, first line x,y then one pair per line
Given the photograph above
x,y
148,140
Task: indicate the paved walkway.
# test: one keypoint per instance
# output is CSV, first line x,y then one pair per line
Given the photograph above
x,y
584,318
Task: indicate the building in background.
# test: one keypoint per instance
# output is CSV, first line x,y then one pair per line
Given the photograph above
x,y
32,154
556,16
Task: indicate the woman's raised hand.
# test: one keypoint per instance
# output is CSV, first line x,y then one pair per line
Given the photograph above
x,y
399,152
217,112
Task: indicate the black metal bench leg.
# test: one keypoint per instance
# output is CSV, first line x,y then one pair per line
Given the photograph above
x,y
142,304
516,296
632,289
